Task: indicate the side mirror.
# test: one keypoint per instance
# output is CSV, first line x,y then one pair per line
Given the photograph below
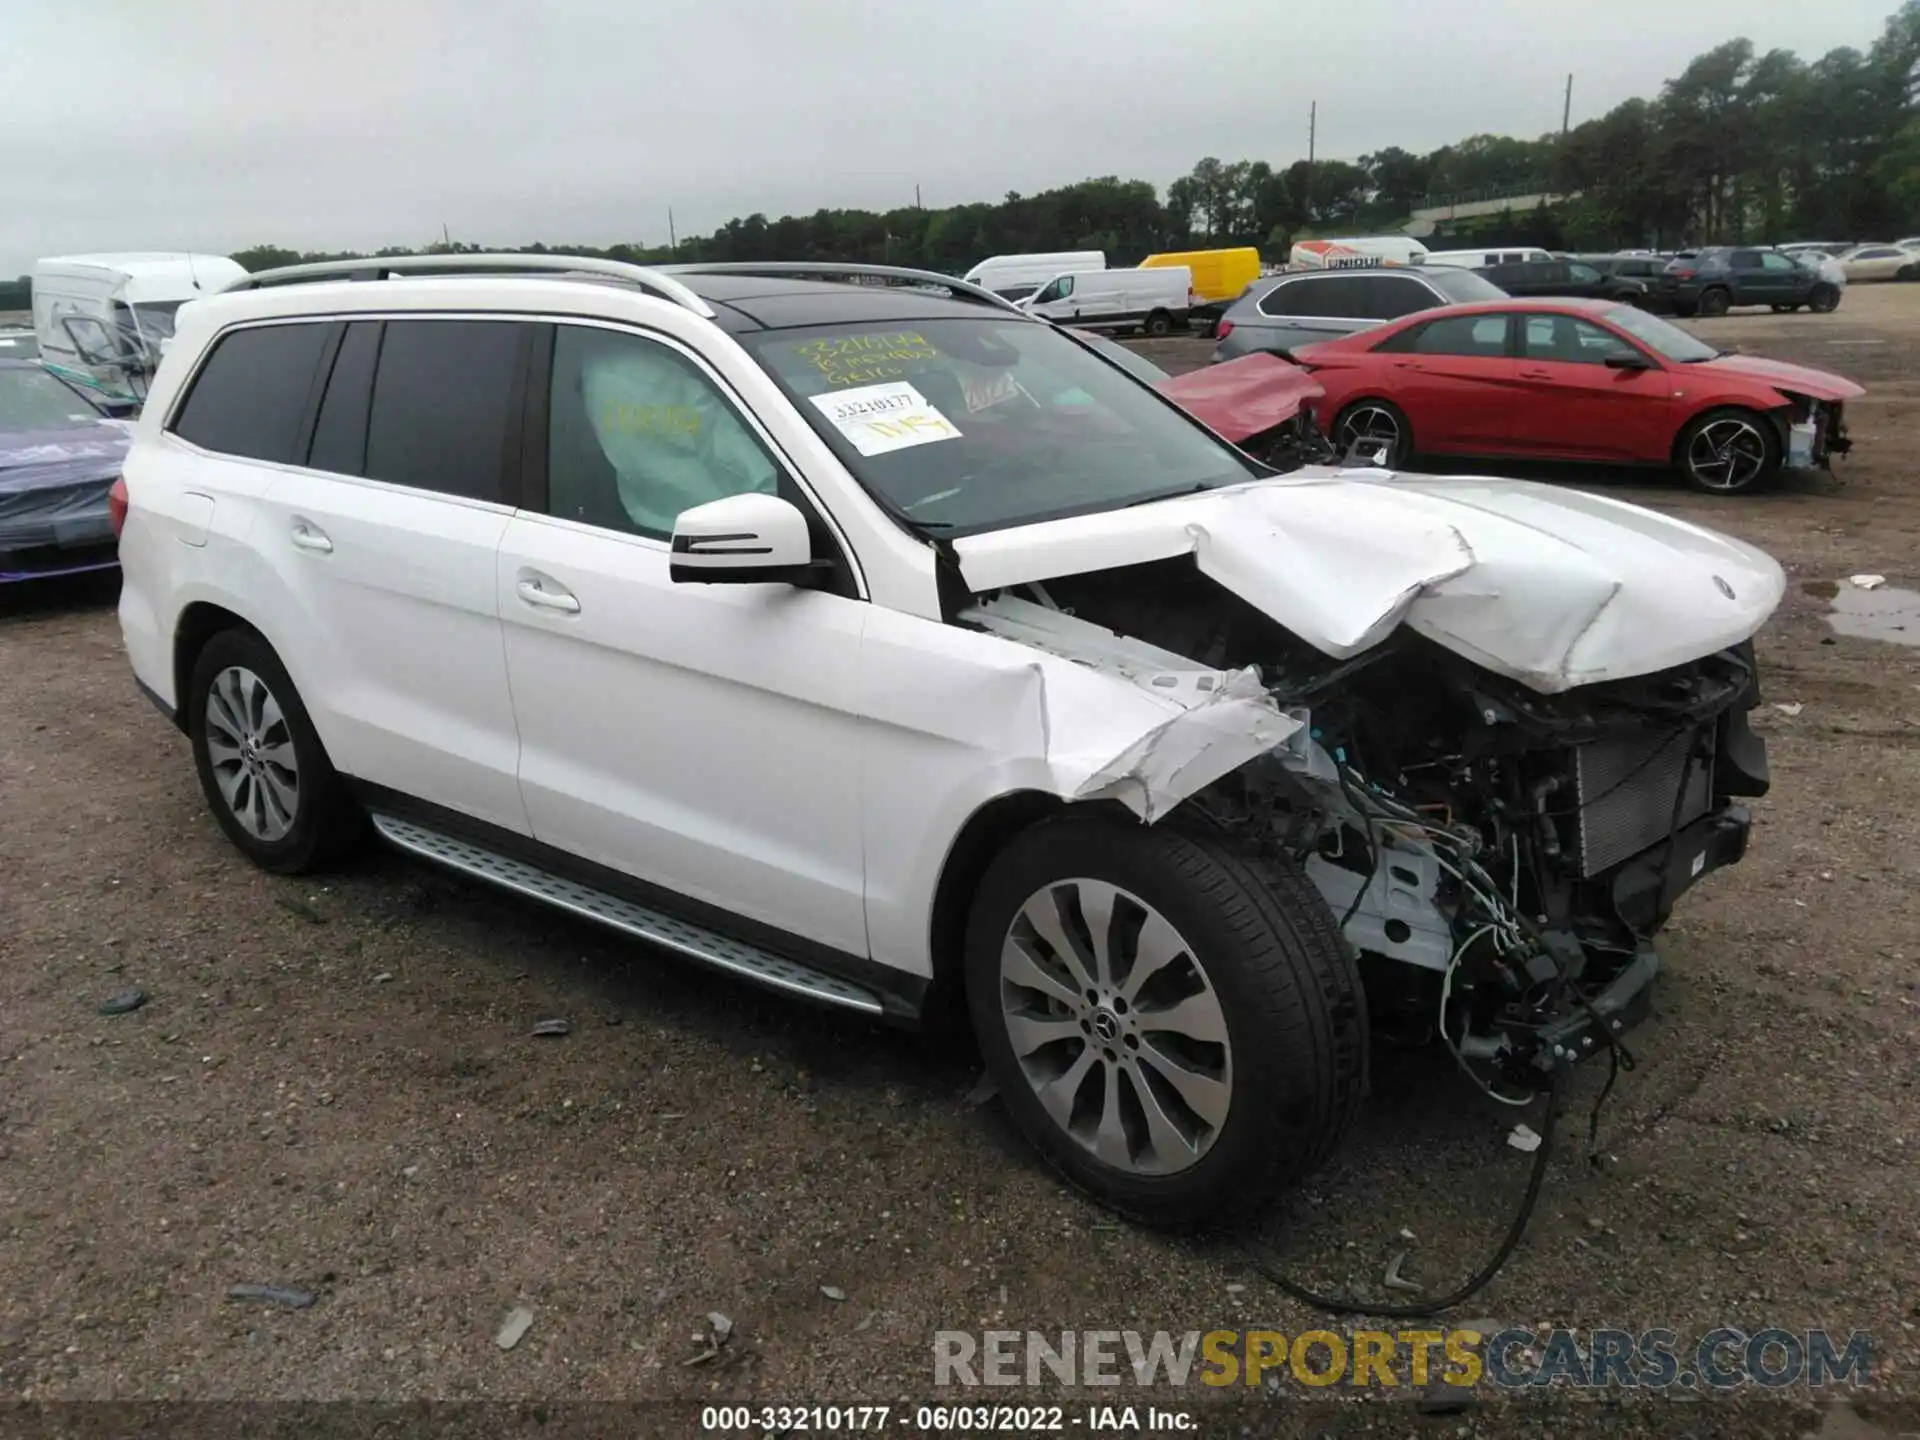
x,y
751,539
1627,362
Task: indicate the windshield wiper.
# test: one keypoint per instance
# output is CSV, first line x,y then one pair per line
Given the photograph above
x,y
1194,489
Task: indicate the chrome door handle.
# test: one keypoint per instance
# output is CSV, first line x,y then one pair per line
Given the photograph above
x,y
533,593
307,537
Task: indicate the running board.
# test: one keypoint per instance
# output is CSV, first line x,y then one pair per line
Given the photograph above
x,y
696,942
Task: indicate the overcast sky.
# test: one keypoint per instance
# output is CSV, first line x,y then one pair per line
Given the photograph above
x,y
348,124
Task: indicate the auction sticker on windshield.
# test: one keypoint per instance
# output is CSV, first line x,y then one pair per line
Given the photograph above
x,y
877,419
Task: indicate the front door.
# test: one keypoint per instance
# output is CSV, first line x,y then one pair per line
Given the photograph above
x,y
703,738
1573,404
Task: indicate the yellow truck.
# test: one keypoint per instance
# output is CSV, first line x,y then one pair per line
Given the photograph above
x,y
1219,277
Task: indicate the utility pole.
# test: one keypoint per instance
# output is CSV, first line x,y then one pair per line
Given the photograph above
x,y
673,243
1566,109
916,198
1313,127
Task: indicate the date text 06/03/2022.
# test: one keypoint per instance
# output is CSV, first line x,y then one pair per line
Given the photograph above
x,y
961,1419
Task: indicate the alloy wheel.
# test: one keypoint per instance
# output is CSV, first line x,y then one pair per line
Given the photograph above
x,y
1116,1027
250,748
1372,426
1727,454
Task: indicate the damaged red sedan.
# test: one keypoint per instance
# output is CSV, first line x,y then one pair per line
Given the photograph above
x,y
1583,380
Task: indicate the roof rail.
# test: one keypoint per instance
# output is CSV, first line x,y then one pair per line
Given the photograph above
x,y
834,269
556,266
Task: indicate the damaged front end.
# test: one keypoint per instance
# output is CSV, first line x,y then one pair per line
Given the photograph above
x,y
1499,857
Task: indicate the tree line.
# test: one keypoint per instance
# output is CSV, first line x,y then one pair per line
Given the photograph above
x,y
1740,146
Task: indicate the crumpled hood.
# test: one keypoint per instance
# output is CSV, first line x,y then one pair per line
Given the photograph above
x,y
1800,379
1238,399
1551,587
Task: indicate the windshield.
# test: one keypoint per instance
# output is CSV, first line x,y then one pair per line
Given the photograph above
x,y
31,399
1135,365
1463,287
1657,335
154,318
963,424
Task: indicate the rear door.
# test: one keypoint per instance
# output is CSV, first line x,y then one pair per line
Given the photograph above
x,y
1569,403
387,540
1454,378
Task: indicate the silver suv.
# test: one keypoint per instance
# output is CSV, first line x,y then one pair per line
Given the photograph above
x,y
1289,310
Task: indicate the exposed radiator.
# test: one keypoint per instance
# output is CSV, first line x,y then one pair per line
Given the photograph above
x,y
1627,784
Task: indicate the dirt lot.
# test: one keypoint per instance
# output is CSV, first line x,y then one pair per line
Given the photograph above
x,y
334,1086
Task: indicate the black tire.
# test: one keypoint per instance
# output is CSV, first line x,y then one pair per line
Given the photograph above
x,y
1907,272
324,820
1288,993
1402,448
1158,323
1824,300
1739,478
1715,300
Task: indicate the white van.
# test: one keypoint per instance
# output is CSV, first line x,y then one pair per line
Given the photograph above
x,y
102,320
1015,277
1356,250
1474,259
1154,300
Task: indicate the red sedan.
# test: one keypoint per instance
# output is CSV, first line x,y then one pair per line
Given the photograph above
x,y
1574,380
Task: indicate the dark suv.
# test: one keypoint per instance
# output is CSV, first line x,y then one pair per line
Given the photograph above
x,y
1564,276
1714,280
1309,305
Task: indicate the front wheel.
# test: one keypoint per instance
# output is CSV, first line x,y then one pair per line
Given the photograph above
x,y
1179,1034
1374,425
1907,272
1824,300
265,773
1728,452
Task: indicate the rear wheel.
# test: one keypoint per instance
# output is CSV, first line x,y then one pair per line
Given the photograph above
x,y
1728,452
1715,301
1374,424
1159,323
1178,1034
262,766
1824,300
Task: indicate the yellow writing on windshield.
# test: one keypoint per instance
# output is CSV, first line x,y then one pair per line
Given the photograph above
x,y
867,358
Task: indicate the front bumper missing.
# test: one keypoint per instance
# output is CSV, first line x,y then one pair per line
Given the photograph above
x,y
1644,889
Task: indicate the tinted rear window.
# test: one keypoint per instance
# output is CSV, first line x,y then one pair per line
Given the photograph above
x,y
1462,286
443,401
252,393
340,432
1388,297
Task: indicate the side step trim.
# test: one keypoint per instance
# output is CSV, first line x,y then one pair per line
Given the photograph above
x,y
696,942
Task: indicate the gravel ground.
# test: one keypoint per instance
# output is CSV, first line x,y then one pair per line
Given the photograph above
x,y
334,1086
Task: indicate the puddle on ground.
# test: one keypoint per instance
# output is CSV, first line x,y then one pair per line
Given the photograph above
x,y
1885,613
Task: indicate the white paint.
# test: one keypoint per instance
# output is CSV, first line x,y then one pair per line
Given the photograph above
x,y
1551,587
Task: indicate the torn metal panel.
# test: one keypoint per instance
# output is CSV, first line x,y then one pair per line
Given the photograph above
x,y
1196,724
1550,587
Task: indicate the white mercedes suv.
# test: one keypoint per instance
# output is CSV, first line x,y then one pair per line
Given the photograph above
x,y
843,629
